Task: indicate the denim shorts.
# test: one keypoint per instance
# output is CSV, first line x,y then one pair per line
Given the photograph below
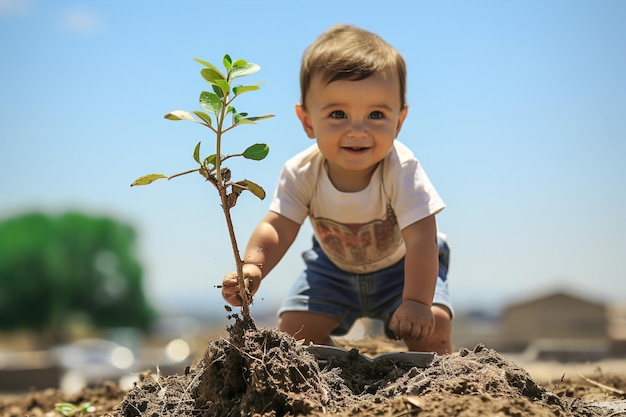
x,y
324,288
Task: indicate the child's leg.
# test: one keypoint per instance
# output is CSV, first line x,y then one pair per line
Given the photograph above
x,y
312,327
440,341
322,301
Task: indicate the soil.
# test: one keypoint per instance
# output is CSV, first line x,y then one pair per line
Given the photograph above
x,y
261,372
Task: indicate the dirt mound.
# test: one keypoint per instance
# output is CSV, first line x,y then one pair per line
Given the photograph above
x,y
263,372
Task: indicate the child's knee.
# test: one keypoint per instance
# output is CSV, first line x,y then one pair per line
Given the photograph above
x,y
312,327
443,322
441,339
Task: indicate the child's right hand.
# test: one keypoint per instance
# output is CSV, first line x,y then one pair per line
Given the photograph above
x,y
413,320
230,286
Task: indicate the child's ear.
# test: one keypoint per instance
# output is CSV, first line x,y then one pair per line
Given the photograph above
x,y
305,119
401,118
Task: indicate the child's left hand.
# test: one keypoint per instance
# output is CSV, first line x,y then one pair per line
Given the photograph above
x,y
412,321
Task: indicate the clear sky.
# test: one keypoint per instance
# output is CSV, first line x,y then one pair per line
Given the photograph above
x,y
517,112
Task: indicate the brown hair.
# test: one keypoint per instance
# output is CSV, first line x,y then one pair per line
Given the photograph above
x,y
346,52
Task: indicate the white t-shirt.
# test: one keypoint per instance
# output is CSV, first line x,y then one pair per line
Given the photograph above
x,y
360,232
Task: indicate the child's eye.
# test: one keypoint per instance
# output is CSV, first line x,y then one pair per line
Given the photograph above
x,y
338,114
376,115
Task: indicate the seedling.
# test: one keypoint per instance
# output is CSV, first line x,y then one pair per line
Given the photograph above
x,y
217,106
69,409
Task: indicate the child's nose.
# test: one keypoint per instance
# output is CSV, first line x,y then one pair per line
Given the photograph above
x,y
357,129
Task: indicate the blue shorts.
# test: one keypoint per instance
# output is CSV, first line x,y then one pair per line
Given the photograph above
x,y
324,288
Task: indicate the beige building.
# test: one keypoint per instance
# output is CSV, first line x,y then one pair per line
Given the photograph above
x,y
557,316
557,325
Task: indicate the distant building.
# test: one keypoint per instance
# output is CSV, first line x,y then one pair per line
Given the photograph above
x,y
558,326
617,330
557,315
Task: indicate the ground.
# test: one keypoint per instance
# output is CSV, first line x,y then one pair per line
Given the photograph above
x,y
261,372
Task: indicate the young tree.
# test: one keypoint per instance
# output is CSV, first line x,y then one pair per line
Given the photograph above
x,y
220,116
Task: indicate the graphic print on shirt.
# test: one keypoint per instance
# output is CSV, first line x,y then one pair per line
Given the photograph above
x,y
358,244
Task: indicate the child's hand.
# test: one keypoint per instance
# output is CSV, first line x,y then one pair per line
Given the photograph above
x,y
230,286
412,321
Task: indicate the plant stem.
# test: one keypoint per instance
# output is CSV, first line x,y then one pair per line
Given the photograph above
x,y
183,173
222,189
243,292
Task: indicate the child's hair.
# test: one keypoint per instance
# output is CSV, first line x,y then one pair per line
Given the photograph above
x,y
346,52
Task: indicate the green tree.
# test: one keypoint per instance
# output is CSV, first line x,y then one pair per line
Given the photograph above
x,y
54,266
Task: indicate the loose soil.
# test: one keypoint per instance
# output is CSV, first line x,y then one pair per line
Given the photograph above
x,y
261,372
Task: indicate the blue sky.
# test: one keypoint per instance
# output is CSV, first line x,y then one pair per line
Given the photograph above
x,y
517,112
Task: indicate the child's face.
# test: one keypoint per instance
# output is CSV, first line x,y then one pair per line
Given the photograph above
x,y
354,122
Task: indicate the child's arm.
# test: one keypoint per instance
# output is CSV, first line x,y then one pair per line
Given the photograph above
x,y
266,247
414,319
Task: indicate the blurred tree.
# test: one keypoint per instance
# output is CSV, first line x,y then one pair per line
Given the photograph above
x,y
53,267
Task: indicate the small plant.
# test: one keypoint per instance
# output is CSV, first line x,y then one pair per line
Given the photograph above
x,y
217,105
69,409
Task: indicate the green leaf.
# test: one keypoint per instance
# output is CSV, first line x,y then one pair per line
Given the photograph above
x,y
227,61
65,408
180,115
243,70
253,187
211,159
240,89
224,86
238,116
147,179
211,75
253,119
210,102
217,89
257,152
210,66
231,109
205,117
196,153
257,118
